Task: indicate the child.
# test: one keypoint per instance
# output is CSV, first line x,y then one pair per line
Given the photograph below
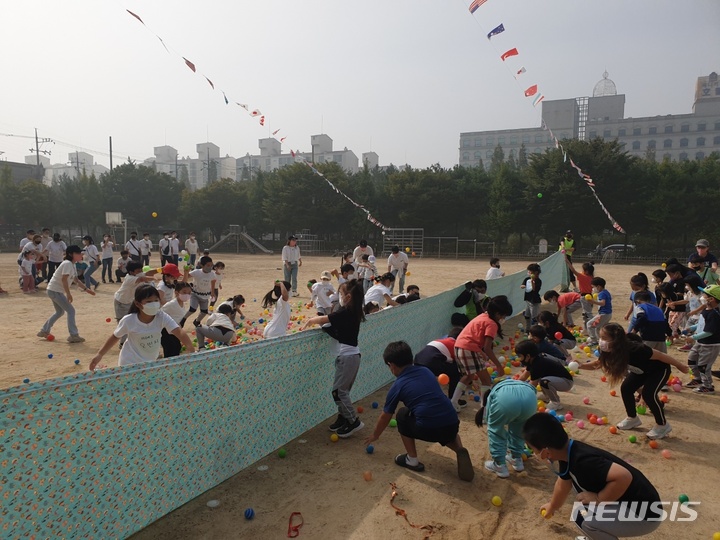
x,y
219,269
203,285
125,295
170,273
345,260
473,298
176,309
107,257
674,311
219,327
697,263
439,357
604,300
26,274
567,304
322,293
344,326
658,277
381,292
427,415
566,342
58,290
508,404
347,272
92,259
626,357
532,285
122,262
598,477
650,322
474,345
236,303
638,282
142,327
584,280
494,271
278,297
538,335
546,371
367,271
705,351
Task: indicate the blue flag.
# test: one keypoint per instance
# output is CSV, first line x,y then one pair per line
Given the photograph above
x,y
499,30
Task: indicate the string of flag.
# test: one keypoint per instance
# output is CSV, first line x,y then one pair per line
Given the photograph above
x,y
255,113
538,97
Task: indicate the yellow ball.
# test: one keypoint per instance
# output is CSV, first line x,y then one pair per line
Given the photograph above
x,y
334,437
716,536
507,370
497,501
154,214
587,349
407,273
663,265
538,388
588,297
407,250
543,512
540,403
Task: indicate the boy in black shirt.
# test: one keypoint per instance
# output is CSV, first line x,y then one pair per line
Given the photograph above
x,y
703,354
532,285
546,371
601,480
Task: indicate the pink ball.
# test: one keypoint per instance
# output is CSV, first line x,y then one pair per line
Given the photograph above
x,y
568,416
581,424
599,422
676,387
667,454
586,400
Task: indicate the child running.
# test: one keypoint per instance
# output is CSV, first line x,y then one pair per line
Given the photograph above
x,y
598,477
584,280
277,297
427,415
705,351
143,328
546,371
343,326
625,358
203,285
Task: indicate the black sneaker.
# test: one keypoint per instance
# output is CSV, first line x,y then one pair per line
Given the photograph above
x,y
196,323
337,424
694,383
702,390
348,429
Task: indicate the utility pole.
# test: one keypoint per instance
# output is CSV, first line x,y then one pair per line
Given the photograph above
x,y
111,165
176,167
37,149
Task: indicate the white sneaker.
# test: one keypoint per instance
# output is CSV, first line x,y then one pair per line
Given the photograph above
x,y
658,432
553,406
500,470
295,293
629,423
516,463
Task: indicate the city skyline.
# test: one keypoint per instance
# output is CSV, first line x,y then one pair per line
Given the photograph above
x,y
401,79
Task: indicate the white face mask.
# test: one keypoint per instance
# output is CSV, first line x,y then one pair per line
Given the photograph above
x,y
151,308
350,276
341,300
184,297
604,345
703,300
481,296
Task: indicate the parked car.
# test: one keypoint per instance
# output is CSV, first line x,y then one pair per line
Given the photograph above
x,y
615,248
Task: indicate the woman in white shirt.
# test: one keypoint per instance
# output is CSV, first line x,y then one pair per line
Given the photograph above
x,y
143,327
381,293
55,251
291,262
107,258
92,258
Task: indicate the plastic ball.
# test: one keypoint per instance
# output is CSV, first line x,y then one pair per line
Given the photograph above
x,y
553,412
558,335
664,398
50,355
543,512
569,416
507,371
108,319
407,250
374,404
676,387
580,424
587,349
716,536
360,409
539,195
632,439
77,362
369,448
668,342
663,265
683,498
26,381
603,378
443,378
367,476
596,353
586,400
561,417
393,423
406,272
50,337
574,366
667,454
641,409
476,397
282,453
613,430
334,437
497,501
588,297
540,403
653,444
154,214
613,393
249,513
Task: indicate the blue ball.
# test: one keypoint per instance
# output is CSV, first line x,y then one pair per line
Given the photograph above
x,y
476,397
50,355
261,321
26,381
370,449
374,404
249,513
596,353
553,413
254,299
77,361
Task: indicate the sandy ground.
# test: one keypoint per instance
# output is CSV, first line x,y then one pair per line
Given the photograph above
x,y
324,480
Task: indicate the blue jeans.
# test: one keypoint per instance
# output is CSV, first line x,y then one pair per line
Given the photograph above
x,y
62,306
107,267
89,280
291,275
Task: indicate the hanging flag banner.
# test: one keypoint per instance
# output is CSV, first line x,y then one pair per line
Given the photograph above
x,y
508,54
520,72
537,100
495,31
531,91
475,5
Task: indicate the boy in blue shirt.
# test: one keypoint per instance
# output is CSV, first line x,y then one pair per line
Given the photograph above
x,y
602,298
650,322
428,414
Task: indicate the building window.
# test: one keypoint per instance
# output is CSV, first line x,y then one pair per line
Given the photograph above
x,y
478,142
622,132
667,143
337,158
652,130
538,138
684,128
514,140
700,155
490,141
489,154
466,156
592,134
501,140
716,140
683,156
668,129
526,138
683,143
651,144
700,141
478,155
637,131
606,133
466,143
702,127
636,145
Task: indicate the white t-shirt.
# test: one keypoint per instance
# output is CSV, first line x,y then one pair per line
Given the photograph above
x,y
126,293
25,268
191,246
122,264
174,246
146,246
493,273
133,247
202,281
56,251
107,249
30,246
66,268
398,262
290,254
277,326
377,293
175,310
358,252
220,320
90,253
163,245
143,340
320,292
23,242
167,292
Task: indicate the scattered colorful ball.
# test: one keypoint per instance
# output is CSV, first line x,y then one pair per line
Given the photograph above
x,y
334,437
497,501
369,448
249,513
282,453
77,361
632,439
50,355
393,422
443,378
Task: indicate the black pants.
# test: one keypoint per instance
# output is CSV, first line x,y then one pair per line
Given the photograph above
x,y
170,344
146,260
52,266
119,275
651,382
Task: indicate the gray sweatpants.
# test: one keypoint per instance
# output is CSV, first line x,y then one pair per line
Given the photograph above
x,y
594,325
612,529
213,333
552,385
572,308
346,369
701,359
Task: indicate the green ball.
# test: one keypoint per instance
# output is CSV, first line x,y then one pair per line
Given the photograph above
x,y
282,453
539,195
393,423
641,409
632,439
683,498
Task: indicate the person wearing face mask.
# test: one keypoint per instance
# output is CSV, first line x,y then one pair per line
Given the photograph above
x,y
134,248
174,248
702,251
34,245
397,265
545,371
204,280
107,258
625,358
55,251
177,309
532,285
473,298
123,298
192,247
164,247
146,247
598,477
604,300
494,271
142,328
706,273
706,340
650,322
170,273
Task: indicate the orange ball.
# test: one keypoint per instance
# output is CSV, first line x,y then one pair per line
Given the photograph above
x,y
613,430
367,475
360,409
603,378
443,378
613,393
653,444
541,409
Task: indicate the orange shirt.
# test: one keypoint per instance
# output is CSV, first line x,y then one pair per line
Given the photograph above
x,y
473,336
584,283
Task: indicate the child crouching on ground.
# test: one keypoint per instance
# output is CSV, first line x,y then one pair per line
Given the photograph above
x,y
428,415
546,371
219,327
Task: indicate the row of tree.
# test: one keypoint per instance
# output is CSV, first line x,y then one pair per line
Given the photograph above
x,y
660,205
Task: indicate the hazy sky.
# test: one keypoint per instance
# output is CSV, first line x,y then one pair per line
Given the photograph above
x,y
400,77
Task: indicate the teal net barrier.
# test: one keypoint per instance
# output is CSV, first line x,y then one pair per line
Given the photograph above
x,y
103,455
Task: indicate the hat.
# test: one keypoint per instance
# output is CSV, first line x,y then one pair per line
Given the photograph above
x,y
73,249
171,270
292,237
713,290
371,259
325,276
702,243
